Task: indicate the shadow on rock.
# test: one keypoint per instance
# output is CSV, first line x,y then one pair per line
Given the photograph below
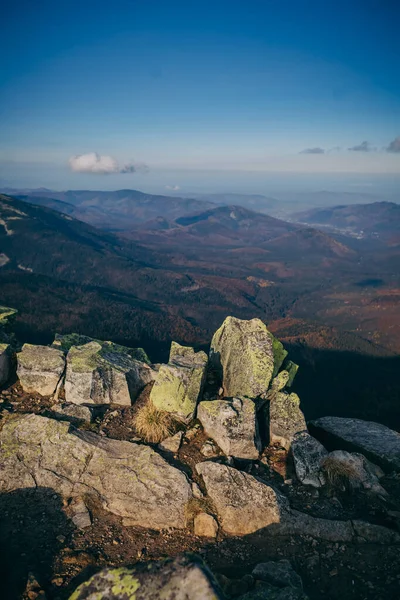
x,y
31,520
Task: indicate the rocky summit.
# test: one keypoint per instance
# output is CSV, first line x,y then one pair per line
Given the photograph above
x,y
198,479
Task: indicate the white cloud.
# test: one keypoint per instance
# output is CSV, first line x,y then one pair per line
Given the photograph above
x,y
173,188
394,145
102,165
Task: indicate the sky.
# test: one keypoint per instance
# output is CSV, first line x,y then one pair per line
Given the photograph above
x,y
157,94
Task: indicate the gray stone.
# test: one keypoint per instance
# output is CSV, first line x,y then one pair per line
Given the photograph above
x,y
173,443
285,419
308,454
246,357
358,472
376,442
40,369
205,525
232,424
179,384
80,515
73,412
280,381
131,480
96,374
243,503
183,578
5,363
280,574
208,449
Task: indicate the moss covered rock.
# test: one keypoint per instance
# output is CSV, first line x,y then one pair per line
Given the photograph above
x,y
178,385
183,578
40,368
103,374
286,419
246,356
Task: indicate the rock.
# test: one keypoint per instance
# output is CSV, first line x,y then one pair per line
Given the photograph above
x,y
173,443
243,503
355,469
97,374
375,534
285,419
5,363
73,412
80,515
196,491
40,369
246,356
280,574
378,443
179,384
308,454
183,578
292,369
280,381
266,591
131,480
205,525
208,449
65,342
232,424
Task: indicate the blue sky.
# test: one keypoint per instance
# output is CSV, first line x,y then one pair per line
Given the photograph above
x,y
242,86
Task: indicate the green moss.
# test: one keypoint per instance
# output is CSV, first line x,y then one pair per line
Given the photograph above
x,y
279,353
6,313
292,369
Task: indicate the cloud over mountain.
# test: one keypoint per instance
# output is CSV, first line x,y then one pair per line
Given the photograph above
x,y
313,151
102,164
394,145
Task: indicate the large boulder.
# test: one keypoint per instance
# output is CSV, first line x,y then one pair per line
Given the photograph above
x,y
232,424
285,419
308,455
40,368
131,480
65,342
102,374
5,363
243,503
179,384
246,357
183,578
378,443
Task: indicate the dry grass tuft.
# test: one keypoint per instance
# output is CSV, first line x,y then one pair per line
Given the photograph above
x,y
338,473
152,424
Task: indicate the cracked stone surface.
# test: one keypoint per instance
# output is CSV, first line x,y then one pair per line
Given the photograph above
x,y
131,480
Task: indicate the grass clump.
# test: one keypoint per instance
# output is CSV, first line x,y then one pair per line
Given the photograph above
x,y
153,424
338,472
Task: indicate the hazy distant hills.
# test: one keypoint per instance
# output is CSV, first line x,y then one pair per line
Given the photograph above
x,y
119,209
379,219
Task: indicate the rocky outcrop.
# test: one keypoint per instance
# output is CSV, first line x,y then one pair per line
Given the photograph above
x,y
308,455
40,369
101,374
5,363
178,385
243,503
246,357
378,443
184,578
285,419
130,480
233,425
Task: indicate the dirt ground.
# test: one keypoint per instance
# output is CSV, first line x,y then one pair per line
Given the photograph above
x,y
43,555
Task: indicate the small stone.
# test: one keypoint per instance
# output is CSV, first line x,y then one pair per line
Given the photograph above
x,y
172,443
208,450
196,491
279,573
61,539
205,525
